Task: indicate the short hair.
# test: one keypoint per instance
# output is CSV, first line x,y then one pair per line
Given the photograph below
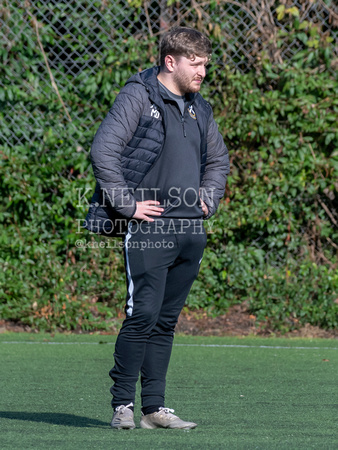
x,y
184,41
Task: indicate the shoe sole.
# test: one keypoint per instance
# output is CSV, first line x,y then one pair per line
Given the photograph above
x,y
146,426
124,426
149,426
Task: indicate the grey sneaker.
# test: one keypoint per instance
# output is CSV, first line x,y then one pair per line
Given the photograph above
x,y
165,419
123,418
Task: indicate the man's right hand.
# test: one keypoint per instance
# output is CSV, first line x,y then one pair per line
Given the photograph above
x,y
146,209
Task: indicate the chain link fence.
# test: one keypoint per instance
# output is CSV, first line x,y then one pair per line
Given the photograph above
x,y
63,62
72,40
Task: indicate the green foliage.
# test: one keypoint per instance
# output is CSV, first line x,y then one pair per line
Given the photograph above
x,y
273,242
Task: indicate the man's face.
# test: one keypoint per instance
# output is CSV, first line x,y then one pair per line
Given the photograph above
x,y
188,74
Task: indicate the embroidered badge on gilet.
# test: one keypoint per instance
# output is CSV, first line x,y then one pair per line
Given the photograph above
x,y
192,112
155,112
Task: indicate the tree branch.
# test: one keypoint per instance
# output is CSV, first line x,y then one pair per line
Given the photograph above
x,y
36,26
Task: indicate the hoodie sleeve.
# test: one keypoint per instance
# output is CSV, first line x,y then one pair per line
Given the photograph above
x,y
111,138
216,170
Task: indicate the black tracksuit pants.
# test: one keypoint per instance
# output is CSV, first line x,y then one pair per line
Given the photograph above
x,y
161,263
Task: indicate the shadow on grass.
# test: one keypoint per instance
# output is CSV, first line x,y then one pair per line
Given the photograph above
x,y
69,420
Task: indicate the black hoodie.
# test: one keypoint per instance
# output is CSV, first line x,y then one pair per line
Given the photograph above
x,y
174,180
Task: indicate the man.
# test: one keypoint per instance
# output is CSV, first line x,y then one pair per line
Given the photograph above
x,y
159,156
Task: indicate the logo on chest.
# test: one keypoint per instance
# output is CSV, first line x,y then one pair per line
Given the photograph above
x,y
192,112
154,112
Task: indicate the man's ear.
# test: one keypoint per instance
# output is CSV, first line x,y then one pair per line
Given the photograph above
x,y
170,63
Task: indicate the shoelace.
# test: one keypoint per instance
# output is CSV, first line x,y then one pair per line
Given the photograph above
x,y
166,410
121,408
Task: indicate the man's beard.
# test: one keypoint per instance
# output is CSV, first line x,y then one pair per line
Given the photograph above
x,y
184,83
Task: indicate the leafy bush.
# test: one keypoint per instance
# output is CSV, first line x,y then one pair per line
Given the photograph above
x,y
273,242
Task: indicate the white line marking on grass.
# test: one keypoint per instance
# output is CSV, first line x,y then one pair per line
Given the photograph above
x,y
56,343
255,346
273,347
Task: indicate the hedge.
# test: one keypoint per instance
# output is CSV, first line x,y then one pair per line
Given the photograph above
x,y
272,244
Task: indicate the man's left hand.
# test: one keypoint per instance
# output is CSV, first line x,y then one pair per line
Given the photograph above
x,y
204,208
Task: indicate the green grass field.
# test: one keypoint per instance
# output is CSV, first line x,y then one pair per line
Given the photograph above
x,y
244,393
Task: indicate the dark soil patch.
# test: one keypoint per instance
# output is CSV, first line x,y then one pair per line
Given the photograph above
x,y
239,322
